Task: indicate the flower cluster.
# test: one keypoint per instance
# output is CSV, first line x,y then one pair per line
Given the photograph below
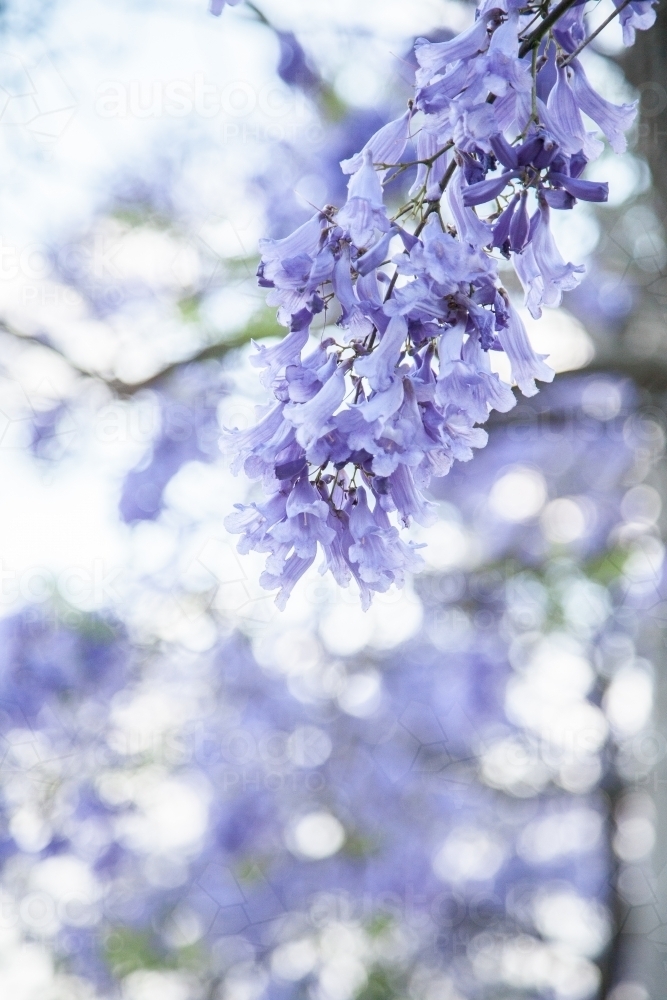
x,y
395,392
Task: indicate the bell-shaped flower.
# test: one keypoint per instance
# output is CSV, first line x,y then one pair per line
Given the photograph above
x,y
564,120
254,521
313,419
614,120
407,499
379,367
541,269
636,16
386,146
526,365
304,240
286,578
275,359
364,211
502,66
433,57
305,524
428,143
471,229
256,438
382,559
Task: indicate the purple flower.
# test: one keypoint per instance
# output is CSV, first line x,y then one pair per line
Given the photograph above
x,y
471,229
504,152
254,522
501,230
541,269
503,68
353,312
286,578
526,364
433,57
313,419
305,524
386,146
382,558
477,194
364,212
275,359
256,440
614,120
380,366
467,384
565,121
447,260
408,500
428,143
637,16
397,398
519,225
585,190
294,267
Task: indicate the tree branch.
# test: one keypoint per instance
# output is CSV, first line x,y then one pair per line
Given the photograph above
x,y
538,33
128,389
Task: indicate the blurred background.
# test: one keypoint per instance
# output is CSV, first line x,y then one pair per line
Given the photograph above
x,y
460,794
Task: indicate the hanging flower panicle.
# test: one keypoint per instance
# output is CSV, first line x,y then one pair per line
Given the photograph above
x,y
360,424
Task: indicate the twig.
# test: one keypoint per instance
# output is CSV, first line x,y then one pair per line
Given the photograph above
x,y
594,34
535,36
118,386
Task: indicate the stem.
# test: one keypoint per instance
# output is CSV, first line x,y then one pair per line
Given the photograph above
x,y
542,28
539,14
433,206
587,41
533,96
428,162
257,12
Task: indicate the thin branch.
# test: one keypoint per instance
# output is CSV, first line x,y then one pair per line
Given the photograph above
x,y
205,354
128,389
433,206
540,13
594,34
39,341
535,36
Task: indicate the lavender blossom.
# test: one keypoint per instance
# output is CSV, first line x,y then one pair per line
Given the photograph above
x,y
636,16
396,394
